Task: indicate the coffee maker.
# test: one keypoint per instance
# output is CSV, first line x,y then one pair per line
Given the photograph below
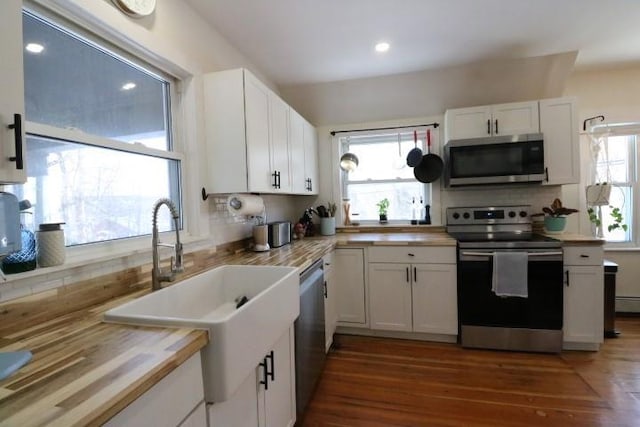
x,y
10,237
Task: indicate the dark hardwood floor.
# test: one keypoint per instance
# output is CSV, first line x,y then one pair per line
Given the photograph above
x,y
387,382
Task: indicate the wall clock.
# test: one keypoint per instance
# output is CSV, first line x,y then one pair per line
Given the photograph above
x,y
136,8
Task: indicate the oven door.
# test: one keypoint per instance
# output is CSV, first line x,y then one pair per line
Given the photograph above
x,y
479,306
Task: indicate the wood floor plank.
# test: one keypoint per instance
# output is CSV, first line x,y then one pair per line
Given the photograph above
x,y
382,382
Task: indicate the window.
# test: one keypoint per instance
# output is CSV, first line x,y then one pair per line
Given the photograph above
x,y
99,142
615,156
383,173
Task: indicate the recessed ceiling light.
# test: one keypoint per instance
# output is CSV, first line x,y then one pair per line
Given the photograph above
x,y
128,86
34,48
382,47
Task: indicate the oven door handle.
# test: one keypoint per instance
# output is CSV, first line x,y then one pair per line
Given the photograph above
x,y
490,254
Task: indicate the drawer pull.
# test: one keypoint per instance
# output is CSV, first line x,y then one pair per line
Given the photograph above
x,y
584,256
410,254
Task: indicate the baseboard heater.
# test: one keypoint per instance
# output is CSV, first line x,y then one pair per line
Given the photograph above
x,y
627,304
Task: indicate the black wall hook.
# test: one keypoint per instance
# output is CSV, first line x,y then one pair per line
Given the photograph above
x,y
584,124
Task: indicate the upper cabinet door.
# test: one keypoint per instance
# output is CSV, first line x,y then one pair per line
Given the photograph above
x,y
559,125
279,142
261,176
296,151
12,137
473,122
492,120
311,158
515,118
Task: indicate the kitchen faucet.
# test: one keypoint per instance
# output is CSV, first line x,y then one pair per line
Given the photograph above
x,y
157,275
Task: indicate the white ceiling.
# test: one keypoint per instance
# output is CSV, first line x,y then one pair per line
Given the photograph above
x,y
308,41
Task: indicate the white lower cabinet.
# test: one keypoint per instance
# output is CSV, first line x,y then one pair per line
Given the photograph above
x,y
413,289
177,400
267,397
330,300
390,296
350,287
583,323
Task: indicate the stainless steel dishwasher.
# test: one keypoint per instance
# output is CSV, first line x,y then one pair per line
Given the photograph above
x,y
309,333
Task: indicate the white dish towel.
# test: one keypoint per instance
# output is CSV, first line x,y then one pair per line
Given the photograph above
x,y
510,274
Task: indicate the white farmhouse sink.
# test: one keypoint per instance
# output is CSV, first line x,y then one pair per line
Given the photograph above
x,y
238,338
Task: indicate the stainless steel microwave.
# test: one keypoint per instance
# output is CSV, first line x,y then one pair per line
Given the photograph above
x,y
494,160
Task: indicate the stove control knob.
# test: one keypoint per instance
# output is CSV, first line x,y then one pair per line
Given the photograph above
x,y
523,214
512,214
466,215
456,215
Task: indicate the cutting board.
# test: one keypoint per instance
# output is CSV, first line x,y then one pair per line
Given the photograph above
x,y
12,361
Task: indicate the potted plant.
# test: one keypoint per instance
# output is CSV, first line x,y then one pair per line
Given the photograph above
x,y
555,216
383,207
598,196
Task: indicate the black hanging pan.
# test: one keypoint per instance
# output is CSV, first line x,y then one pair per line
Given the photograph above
x,y
430,167
415,155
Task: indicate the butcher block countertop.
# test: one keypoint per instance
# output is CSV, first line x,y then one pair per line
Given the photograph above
x,y
84,371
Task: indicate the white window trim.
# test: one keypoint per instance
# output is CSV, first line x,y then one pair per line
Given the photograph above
x,y
87,24
626,129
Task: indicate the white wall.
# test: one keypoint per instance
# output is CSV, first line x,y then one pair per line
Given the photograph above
x,y
614,93
431,92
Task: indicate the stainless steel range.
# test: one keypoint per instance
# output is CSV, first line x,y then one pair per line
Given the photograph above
x,y
510,280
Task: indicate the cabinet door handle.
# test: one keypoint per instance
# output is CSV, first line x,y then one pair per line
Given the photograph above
x,y
271,357
17,128
310,184
278,178
275,179
407,269
415,274
265,379
325,289
566,273
496,126
488,126
546,174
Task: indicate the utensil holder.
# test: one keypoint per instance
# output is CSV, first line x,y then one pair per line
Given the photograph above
x,y
328,226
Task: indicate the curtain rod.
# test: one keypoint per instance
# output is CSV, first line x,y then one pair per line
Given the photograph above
x,y
333,132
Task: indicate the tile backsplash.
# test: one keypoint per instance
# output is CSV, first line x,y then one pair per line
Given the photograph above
x,y
536,196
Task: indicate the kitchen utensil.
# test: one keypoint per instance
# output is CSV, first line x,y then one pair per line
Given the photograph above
x,y
322,211
430,167
415,155
399,162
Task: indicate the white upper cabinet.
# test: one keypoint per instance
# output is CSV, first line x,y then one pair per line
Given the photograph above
x,y
303,148
12,138
257,126
311,158
559,125
492,120
296,147
255,141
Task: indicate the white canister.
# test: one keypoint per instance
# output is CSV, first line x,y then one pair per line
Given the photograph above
x,y
50,245
328,226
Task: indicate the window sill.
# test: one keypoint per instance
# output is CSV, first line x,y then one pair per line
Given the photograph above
x,y
95,255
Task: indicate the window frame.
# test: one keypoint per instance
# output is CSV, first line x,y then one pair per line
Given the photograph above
x,y
115,43
624,130
343,143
